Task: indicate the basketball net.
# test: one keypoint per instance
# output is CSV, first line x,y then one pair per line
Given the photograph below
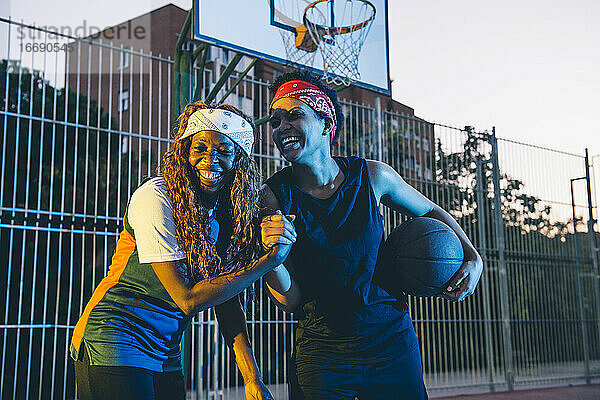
x,y
300,49
297,56
340,39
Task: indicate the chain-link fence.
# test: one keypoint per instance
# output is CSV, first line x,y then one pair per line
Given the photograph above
x,y
81,127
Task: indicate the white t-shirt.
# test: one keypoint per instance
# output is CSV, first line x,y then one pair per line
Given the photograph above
x,y
150,214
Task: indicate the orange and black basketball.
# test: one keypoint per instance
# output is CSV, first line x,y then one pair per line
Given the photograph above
x,y
419,257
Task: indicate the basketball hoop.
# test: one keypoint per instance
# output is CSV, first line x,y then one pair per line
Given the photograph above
x,y
344,40
299,47
339,39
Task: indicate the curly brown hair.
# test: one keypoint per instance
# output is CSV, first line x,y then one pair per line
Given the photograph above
x,y
238,199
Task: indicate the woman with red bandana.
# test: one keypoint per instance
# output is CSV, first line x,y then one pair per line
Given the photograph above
x,y
353,339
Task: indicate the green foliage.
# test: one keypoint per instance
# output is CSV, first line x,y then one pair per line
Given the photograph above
x,y
63,152
458,172
542,273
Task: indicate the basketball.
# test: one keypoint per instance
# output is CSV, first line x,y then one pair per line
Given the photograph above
x,y
419,258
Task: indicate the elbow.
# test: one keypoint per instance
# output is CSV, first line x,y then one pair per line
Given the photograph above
x,y
287,303
191,306
282,289
187,307
289,307
293,301
435,211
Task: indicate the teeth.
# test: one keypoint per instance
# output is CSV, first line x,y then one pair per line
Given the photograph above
x,y
210,174
289,139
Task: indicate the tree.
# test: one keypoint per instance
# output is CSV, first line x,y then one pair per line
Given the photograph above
x,y
539,248
62,159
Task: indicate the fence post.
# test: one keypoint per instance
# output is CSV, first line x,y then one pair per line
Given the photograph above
x,y
578,266
503,278
592,237
481,187
379,127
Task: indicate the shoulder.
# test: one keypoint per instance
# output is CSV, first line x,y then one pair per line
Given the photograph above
x,y
279,177
156,184
276,188
379,171
151,201
350,162
393,191
150,215
382,177
153,190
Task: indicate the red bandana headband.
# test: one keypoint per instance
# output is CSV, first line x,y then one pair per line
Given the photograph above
x,y
312,96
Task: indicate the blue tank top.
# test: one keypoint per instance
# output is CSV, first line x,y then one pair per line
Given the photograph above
x,y
334,258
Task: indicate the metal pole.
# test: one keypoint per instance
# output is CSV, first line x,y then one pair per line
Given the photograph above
x,y
584,336
215,355
379,127
481,187
181,61
503,278
177,106
592,237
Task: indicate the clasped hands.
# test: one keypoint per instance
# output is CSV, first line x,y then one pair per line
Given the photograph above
x,y
278,235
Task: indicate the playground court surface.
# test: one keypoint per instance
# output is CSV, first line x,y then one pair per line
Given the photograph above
x,y
579,392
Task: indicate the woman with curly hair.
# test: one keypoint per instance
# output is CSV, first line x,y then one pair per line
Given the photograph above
x,y
190,241
353,339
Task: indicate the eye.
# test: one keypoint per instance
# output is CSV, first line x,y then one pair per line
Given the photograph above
x,y
226,151
199,148
274,121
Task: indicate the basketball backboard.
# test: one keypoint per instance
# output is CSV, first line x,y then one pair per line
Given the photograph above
x,y
267,29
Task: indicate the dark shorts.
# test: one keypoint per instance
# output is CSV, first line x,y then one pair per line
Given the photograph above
x,y
398,378
127,383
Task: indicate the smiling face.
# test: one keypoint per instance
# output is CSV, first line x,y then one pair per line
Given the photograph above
x,y
298,129
212,155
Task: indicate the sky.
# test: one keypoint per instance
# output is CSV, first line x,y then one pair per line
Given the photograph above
x,y
529,68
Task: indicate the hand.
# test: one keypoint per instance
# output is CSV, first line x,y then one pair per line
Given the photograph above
x,y
257,390
278,235
464,281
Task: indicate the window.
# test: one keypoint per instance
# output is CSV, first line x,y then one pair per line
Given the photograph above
x,y
124,101
277,73
410,163
124,145
425,144
123,59
428,174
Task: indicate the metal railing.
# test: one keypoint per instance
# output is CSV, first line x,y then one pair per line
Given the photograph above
x,y
81,129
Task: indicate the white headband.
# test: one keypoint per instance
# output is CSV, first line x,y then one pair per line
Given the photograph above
x,y
226,122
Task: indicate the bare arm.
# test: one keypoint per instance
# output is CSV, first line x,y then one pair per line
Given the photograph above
x,y
394,192
279,282
282,287
232,323
211,292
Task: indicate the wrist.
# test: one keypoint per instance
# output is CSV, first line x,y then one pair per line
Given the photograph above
x,y
265,248
472,255
257,379
274,257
